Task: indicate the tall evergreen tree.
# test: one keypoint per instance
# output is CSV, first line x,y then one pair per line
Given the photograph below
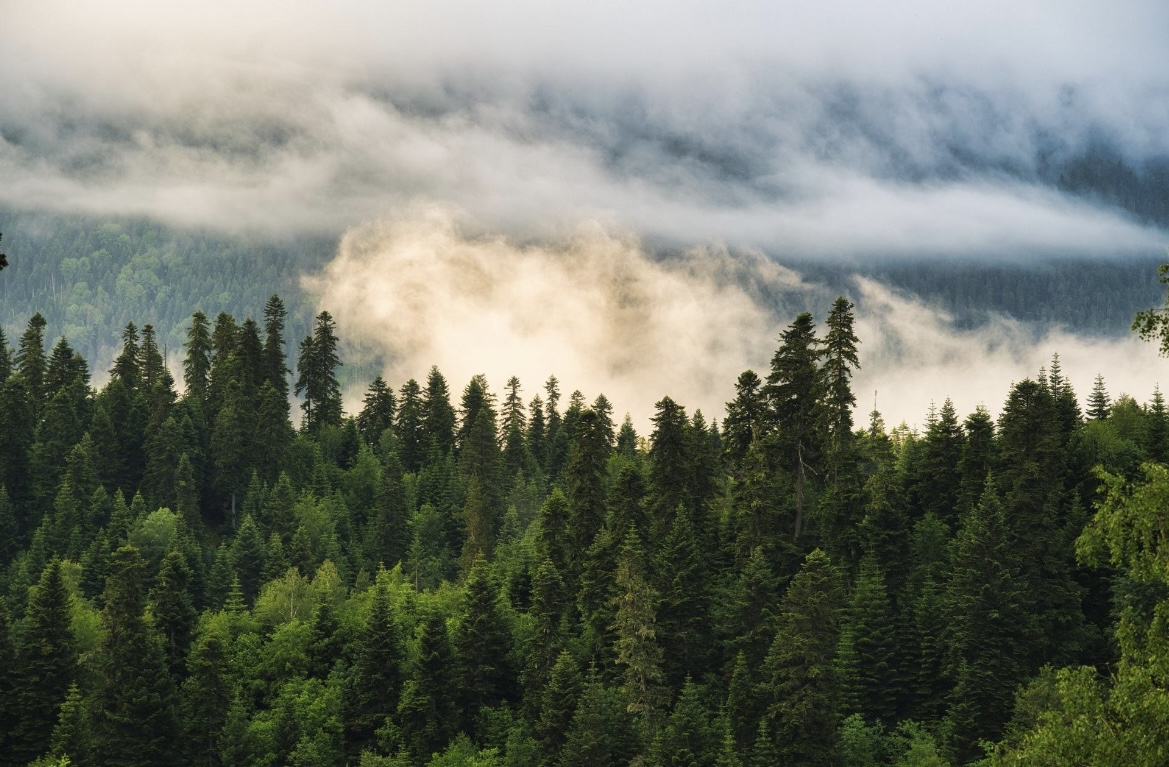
x,y
792,390
668,466
274,366
866,662
410,427
30,359
438,415
377,412
134,701
1099,402
584,483
197,363
316,375
46,663
482,649
376,676
427,710
799,684
639,654
173,609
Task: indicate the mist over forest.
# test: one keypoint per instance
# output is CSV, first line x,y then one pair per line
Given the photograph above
x,y
441,384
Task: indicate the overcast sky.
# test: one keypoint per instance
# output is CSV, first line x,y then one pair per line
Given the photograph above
x,y
825,128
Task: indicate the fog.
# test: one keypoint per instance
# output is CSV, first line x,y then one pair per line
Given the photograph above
x,y
594,309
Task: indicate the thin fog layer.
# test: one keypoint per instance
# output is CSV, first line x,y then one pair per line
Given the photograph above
x,y
603,316
827,129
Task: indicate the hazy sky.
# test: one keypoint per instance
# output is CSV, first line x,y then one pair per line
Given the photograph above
x,y
814,128
521,162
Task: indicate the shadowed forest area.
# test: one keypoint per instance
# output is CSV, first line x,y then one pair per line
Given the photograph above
x,y
516,577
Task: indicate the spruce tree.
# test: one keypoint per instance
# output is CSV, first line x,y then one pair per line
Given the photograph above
x,y
275,369
792,390
73,735
683,615
558,702
377,412
584,483
638,651
799,685
427,710
135,723
1156,442
602,731
482,649
438,415
690,736
866,662
206,694
409,426
174,609
46,664
375,679
30,359
317,378
1098,401
669,465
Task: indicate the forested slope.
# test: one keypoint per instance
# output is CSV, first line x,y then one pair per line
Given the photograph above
x,y
517,579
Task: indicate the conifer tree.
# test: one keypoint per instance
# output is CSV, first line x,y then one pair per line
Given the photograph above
x,y
73,737
317,378
936,483
558,702
1156,441
550,602
30,359
482,649
584,482
978,456
791,390
376,676
627,439
46,663
197,363
173,609
602,731
387,535
690,736
438,415
377,412
206,694
135,722
668,466
683,615
986,617
5,358
275,369
409,426
799,684
1098,401
866,662
639,654
749,609
427,710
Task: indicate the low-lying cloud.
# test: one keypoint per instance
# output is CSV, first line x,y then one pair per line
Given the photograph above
x,y
603,315
840,129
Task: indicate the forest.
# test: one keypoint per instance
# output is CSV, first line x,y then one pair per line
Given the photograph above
x,y
477,578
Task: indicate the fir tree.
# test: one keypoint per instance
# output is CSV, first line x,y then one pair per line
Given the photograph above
x,y
409,426
866,662
427,711
690,736
197,363
438,415
275,369
206,695
602,731
30,359
639,654
482,649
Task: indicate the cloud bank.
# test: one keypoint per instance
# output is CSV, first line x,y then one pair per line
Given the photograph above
x,y
843,128
604,316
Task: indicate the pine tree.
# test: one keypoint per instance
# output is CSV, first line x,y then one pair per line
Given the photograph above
x,y
690,736
73,735
799,684
46,663
584,482
135,718
206,694
668,466
30,359
427,711
1156,441
683,614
